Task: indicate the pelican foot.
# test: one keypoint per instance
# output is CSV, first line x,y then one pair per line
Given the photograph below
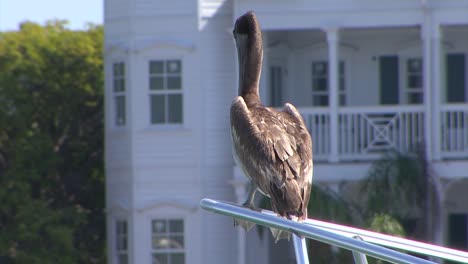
x,y
246,225
280,234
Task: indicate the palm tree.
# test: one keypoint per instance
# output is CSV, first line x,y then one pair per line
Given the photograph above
x,y
399,185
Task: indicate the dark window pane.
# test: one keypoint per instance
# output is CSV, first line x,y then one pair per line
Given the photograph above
x,y
175,108
116,69
157,109
120,110
177,258
415,98
176,226
319,68
122,258
341,68
276,85
122,69
173,66
124,227
174,83
320,84
159,226
156,67
176,241
414,81
342,84
121,243
320,100
160,259
156,83
119,85
414,65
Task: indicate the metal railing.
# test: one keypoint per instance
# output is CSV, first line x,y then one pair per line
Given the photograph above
x,y
360,242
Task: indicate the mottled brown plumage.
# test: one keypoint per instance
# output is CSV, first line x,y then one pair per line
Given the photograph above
x,y
273,148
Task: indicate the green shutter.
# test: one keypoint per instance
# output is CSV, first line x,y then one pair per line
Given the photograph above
x,y
388,76
456,78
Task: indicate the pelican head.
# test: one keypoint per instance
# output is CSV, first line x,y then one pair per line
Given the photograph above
x,y
248,37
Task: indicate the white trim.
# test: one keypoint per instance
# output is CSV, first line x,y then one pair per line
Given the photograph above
x,y
147,45
186,205
117,208
116,47
158,43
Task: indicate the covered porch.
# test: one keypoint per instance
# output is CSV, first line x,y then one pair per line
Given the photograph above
x,y
363,91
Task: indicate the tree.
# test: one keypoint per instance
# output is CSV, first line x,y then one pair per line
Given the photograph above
x,y
399,185
51,145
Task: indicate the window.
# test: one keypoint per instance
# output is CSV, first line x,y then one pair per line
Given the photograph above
x,y
118,90
121,239
165,85
414,81
168,241
320,91
276,85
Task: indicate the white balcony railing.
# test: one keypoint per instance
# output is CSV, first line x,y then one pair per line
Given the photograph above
x,y
365,132
454,131
317,120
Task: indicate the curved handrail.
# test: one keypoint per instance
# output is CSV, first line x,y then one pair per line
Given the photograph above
x,y
338,235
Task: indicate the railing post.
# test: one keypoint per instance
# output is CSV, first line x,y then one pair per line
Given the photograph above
x,y
359,258
300,249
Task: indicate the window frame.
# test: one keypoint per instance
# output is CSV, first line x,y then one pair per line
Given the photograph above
x,y
116,252
405,90
165,91
167,233
115,94
342,82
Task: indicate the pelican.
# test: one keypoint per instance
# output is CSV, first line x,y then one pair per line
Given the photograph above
x,y
273,148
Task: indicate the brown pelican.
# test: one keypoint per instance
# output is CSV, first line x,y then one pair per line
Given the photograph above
x,y
273,148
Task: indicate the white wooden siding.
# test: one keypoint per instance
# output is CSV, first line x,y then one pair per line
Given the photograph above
x,y
219,86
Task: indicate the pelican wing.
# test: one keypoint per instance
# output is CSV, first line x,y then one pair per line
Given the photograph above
x,y
274,150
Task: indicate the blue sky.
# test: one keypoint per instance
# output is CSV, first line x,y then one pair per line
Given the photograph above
x,y
78,12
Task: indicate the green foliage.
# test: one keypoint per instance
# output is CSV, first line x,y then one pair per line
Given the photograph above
x,y
386,224
51,145
396,185
399,185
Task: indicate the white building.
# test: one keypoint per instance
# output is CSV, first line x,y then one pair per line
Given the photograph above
x,y
367,76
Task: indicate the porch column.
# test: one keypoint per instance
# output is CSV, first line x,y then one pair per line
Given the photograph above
x,y
427,82
436,41
239,182
332,40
